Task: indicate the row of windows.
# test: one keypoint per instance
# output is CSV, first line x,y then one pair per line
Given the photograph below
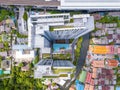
x,y
35,19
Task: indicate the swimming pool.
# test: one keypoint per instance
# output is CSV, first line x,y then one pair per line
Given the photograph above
x,y
57,47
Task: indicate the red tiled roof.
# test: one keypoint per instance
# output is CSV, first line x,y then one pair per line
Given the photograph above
x,y
112,63
89,77
92,82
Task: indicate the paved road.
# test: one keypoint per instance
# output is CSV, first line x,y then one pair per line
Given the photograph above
x,y
81,61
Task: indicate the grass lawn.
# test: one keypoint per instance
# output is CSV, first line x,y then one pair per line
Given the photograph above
x,y
57,71
50,76
46,56
62,56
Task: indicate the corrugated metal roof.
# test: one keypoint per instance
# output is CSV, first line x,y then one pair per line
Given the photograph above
x,y
20,47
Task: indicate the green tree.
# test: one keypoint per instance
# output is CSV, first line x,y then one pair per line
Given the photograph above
x,y
36,59
25,16
31,65
21,64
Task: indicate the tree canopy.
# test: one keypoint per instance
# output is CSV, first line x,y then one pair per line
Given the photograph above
x,y
25,16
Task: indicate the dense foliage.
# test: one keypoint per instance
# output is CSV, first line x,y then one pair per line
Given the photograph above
x,y
25,16
4,14
21,81
77,50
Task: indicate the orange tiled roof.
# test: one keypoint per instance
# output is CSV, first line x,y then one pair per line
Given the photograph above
x,y
86,87
72,87
91,87
101,49
98,63
112,63
94,74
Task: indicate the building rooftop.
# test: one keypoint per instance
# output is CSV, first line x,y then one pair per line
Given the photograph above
x,y
112,63
99,64
20,47
118,88
30,2
4,54
79,86
6,64
62,63
88,4
1,45
88,77
56,63
82,76
97,49
46,62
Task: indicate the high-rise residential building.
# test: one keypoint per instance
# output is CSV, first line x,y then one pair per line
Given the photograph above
x,y
46,28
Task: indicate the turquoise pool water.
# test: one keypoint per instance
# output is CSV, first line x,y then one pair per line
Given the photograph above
x,y
57,47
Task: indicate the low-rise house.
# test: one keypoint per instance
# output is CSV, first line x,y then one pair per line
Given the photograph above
x,y
6,65
98,64
97,49
1,71
110,32
89,87
3,54
2,28
1,45
111,63
9,53
118,88
72,87
97,16
117,41
114,14
6,72
99,25
105,63
79,86
82,76
110,36
110,25
118,31
118,49
23,53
